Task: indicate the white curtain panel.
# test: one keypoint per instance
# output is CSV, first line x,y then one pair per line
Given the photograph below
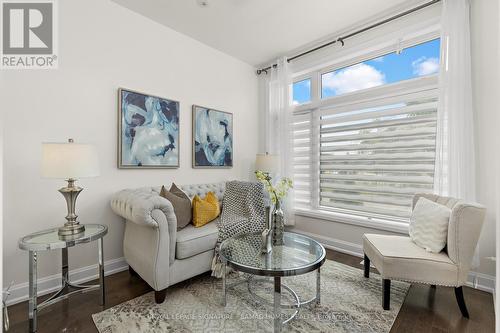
x,y
497,280
277,122
455,163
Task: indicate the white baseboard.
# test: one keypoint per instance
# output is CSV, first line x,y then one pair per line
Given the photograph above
x,y
484,282
336,244
48,284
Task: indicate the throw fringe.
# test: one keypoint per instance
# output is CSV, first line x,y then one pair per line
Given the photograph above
x,y
217,263
216,266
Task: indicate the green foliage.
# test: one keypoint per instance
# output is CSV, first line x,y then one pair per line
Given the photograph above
x,y
277,191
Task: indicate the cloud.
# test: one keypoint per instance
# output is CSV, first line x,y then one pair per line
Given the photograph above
x,y
304,83
357,77
425,66
295,102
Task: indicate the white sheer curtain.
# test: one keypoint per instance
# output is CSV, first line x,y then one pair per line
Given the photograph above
x,y
277,122
497,282
455,162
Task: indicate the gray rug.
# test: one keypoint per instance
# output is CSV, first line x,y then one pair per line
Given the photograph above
x,y
349,303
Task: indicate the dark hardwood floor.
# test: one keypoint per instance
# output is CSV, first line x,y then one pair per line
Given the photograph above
x,y
424,309
428,310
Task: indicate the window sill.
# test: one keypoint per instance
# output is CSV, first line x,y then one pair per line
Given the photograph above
x,y
360,221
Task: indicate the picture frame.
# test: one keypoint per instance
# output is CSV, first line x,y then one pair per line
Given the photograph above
x,y
212,138
148,131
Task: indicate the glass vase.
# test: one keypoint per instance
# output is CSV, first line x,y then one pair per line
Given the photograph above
x,y
277,224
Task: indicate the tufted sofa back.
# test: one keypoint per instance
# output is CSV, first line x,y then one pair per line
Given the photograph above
x,y
198,189
202,190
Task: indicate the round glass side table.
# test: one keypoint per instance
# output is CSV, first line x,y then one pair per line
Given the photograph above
x,y
50,240
298,255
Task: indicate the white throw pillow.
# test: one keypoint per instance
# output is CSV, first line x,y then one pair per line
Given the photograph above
x,y
429,225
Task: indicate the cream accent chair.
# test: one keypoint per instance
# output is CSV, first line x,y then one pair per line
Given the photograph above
x,y
398,258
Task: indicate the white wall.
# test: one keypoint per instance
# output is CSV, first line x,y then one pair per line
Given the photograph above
x,y
104,46
484,35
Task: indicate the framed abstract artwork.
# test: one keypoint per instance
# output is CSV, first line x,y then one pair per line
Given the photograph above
x,y
148,131
212,138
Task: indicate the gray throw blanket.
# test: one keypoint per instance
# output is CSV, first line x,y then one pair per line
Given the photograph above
x,y
243,211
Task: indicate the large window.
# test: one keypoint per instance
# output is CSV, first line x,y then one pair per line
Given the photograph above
x,y
302,91
412,62
367,153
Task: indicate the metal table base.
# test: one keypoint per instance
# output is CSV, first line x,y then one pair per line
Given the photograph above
x,y
277,305
64,292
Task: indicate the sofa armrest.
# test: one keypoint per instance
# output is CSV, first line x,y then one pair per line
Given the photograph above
x,y
136,205
147,208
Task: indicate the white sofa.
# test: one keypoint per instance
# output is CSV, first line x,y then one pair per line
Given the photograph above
x,y
153,248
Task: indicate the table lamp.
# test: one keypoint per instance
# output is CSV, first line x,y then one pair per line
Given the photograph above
x,y
70,161
267,163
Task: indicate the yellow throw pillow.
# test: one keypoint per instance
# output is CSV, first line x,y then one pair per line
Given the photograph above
x,y
205,210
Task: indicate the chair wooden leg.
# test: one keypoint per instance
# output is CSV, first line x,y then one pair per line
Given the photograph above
x,y
160,295
367,266
459,294
386,294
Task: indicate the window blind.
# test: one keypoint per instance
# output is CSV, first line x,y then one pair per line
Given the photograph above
x,y
302,136
366,158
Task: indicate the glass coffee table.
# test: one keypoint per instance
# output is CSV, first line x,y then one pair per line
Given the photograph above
x,y
298,255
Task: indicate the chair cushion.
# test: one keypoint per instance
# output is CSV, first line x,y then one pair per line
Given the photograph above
x,y
429,225
397,257
192,241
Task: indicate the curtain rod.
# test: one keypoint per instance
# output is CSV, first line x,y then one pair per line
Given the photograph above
x,y
352,34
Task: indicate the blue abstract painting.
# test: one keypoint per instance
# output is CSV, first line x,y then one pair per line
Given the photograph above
x,y
148,130
212,138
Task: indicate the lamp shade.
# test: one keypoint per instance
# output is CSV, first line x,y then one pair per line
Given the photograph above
x,y
69,160
267,163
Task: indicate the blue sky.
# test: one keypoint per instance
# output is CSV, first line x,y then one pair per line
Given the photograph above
x,y
418,60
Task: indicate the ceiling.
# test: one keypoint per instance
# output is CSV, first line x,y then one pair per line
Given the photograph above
x,y
258,31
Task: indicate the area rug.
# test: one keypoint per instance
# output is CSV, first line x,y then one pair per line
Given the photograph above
x,y
349,303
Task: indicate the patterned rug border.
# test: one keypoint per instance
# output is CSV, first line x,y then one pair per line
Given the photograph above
x,y
396,304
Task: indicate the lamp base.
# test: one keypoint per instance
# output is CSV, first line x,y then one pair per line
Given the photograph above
x,y
71,229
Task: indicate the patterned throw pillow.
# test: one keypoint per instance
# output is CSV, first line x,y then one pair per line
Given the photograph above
x,y
429,225
205,210
181,203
